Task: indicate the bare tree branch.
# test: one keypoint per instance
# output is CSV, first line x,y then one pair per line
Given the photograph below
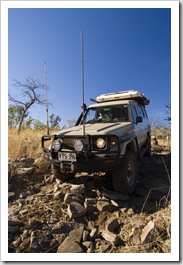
x,y
15,100
30,96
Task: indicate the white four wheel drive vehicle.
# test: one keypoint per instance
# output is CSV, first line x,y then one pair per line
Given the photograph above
x,y
109,136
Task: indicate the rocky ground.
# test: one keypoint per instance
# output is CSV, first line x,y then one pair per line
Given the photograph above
x,y
86,214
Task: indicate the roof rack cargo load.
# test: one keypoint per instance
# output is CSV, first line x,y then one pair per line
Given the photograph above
x,y
128,94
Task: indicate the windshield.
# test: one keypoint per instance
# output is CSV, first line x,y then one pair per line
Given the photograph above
x,y
116,113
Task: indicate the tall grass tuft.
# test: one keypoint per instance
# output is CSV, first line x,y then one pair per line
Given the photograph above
x,y
27,143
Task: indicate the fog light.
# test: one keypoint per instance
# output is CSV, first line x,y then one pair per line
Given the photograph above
x,y
57,145
78,145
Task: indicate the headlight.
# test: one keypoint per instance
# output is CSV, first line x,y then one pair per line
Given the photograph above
x,y
78,145
57,145
100,143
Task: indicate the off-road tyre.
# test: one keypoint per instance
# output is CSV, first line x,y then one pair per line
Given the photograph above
x,y
124,178
62,176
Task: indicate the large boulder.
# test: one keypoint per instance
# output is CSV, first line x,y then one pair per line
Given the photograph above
x,y
71,244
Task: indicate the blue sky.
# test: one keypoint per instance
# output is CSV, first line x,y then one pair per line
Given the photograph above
x,y
124,48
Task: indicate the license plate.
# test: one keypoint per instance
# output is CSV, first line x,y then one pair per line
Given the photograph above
x,y
70,157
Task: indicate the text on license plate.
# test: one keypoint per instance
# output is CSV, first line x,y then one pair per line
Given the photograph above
x,y
71,157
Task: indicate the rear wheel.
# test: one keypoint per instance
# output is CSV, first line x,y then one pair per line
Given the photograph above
x,y
56,172
124,179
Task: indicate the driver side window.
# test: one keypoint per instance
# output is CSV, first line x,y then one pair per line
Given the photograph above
x,y
134,113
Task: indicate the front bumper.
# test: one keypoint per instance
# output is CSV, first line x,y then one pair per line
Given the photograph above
x,y
87,160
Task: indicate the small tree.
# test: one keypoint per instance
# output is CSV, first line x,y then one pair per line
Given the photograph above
x,y
29,96
54,121
14,115
168,112
28,123
156,124
38,125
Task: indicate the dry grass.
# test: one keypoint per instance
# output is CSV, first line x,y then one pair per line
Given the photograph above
x,y
25,144
163,137
160,241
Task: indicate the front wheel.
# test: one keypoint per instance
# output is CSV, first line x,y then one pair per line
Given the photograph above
x,y
124,179
56,172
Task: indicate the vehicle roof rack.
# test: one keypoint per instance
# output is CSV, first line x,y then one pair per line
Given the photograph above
x,y
128,94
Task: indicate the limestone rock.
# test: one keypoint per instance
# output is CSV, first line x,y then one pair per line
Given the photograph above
x,y
90,201
24,211
130,211
11,169
110,237
42,166
112,224
137,223
71,244
11,195
40,241
35,225
27,161
90,204
24,245
62,228
76,210
24,171
17,242
58,195
63,186
15,223
88,244
23,195
73,197
136,240
120,204
149,233
12,211
90,208
103,205
13,229
35,189
166,246
85,235
77,188
94,233
91,225
104,246
49,179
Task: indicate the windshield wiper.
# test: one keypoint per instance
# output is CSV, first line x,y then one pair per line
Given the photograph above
x,y
120,120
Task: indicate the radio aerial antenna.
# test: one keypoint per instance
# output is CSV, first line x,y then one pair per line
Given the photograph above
x,y
82,74
46,93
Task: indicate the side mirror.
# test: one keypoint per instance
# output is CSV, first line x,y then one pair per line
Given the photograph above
x,y
138,119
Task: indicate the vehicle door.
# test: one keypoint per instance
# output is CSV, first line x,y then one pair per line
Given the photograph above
x,y
144,124
137,126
